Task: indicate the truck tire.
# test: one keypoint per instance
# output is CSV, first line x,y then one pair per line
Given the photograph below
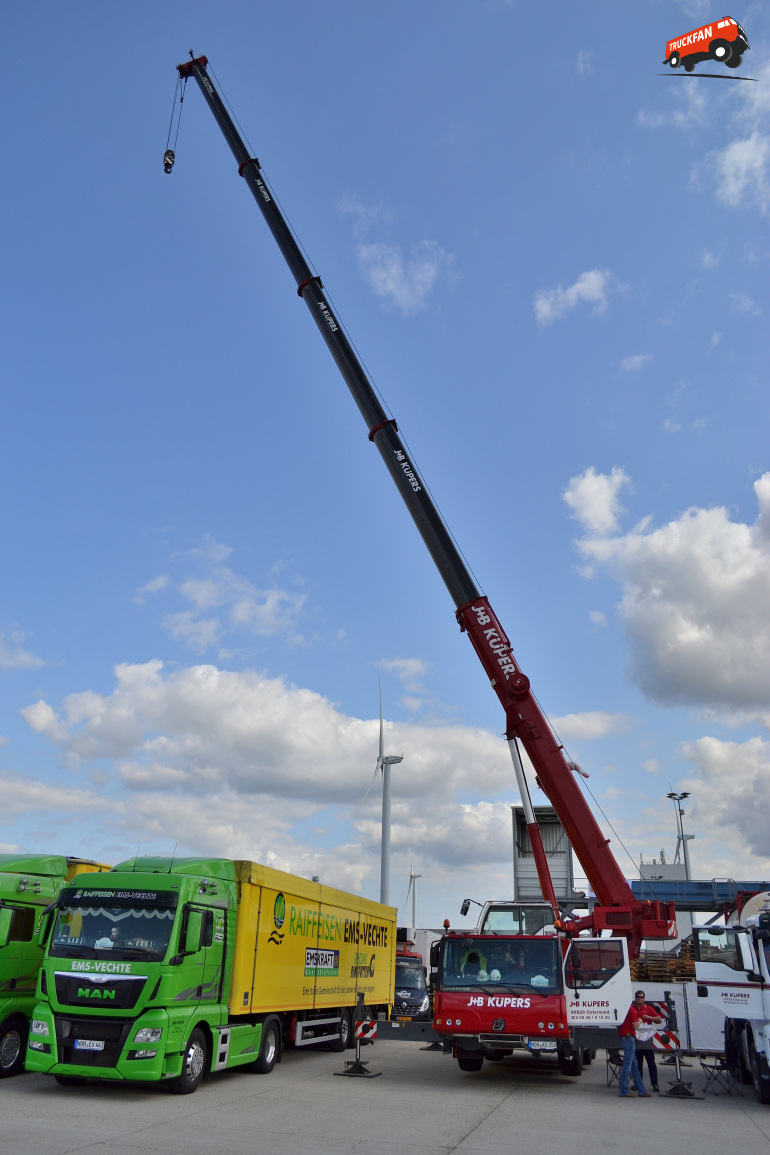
x,y
589,1054
745,1051
194,1065
346,1031
13,1041
571,1064
470,1060
760,1077
268,1048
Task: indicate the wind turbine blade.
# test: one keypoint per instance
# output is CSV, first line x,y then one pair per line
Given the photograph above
x,y
408,889
374,776
382,740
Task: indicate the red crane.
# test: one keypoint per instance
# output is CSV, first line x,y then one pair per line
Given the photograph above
x,y
525,722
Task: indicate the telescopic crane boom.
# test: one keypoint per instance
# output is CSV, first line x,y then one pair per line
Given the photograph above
x,y
524,720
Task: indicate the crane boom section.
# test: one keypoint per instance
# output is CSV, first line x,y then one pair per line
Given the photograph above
x,y
524,718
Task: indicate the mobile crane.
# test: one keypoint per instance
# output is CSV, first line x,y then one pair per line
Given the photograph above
x,y
617,910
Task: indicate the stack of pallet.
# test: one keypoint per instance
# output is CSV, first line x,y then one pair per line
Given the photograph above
x,y
659,966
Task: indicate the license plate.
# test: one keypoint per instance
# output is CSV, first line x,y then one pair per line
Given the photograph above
x,y
542,1044
89,1044
403,1018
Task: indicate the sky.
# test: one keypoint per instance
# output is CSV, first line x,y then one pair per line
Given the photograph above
x,y
552,254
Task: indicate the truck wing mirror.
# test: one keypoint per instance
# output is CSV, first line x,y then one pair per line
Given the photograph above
x,y
466,906
435,953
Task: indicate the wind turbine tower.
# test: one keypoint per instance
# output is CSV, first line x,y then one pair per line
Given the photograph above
x,y
384,763
413,887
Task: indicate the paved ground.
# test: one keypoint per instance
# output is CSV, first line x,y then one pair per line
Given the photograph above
x,y
422,1105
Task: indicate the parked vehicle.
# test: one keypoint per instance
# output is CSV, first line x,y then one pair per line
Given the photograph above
x,y
28,884
167,969
411,998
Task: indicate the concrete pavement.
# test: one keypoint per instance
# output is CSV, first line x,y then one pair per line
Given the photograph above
x,y
421,1104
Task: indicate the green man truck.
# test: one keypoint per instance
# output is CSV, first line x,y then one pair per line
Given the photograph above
x,y
28,884
170,968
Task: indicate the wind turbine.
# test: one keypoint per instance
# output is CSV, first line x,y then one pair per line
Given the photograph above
x,y
413,887
384,763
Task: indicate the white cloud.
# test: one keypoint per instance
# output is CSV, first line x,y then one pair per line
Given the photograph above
x,y
155,586
590,725
404,282
715,339
12,654
592,287
743,303
594,499
584,62
221,602
689,110
238,763
696,600
597,619
742,172
730,795
635,361
671,426
709,260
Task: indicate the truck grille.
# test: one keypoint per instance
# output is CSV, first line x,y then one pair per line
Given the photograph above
x,y
109,1031
78,990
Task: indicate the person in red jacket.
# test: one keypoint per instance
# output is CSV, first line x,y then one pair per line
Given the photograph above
x,y
627,1034
645,1049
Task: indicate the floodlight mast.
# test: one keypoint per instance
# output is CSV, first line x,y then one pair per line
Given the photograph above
x,y
524,720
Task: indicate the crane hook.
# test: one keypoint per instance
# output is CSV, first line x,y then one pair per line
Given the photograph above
x,y
168,160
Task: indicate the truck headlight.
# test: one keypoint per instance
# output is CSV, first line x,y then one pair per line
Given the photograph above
x,y
424,1004
39,1027
147,1035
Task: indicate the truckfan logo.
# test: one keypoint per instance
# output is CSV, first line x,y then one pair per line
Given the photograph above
x,y
723,41
279,917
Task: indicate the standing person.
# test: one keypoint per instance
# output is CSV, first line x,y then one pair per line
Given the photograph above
x,y
645,1029
627,1034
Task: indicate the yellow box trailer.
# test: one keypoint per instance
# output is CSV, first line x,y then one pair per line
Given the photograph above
x,y
305,947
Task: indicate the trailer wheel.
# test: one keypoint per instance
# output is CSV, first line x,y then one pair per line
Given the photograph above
x,y
470,1060
13,1040
346,1031
268,1048
194,1065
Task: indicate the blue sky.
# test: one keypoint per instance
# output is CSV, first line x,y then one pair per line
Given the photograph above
x,y
553,261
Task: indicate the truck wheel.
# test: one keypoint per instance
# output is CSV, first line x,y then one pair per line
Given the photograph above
x,y
495,1056
720,50
268,1048
346,1031
470,1060
589,1054
572,1064
745,1051
13,1040
70,1080
194,1064
734,61
760,1077
675,60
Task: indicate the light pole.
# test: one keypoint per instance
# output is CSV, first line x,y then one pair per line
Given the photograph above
x,y
681,838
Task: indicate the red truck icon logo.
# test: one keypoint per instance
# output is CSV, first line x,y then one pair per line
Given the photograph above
x,y
722,40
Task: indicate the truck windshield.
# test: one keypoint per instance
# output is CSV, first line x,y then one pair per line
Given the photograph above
x,y
472,962
409,976
101,926
517,919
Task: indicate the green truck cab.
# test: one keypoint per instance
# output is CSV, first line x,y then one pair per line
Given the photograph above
x,y
29,883
168,969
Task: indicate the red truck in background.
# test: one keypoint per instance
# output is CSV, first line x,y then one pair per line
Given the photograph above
x,y
722,40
